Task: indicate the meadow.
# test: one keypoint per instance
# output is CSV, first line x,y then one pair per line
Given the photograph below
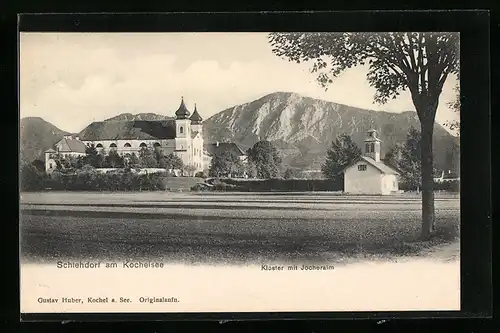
x,y
230,227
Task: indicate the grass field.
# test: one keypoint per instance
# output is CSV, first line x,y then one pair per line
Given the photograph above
x,y
231,228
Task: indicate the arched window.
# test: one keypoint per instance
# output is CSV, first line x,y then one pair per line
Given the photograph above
x,y
367,147
372,147
99,145
156,145
143,145
128,145
113,145
181,130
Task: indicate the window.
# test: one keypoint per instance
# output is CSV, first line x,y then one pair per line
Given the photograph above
x,y
143,145
367,147
99,145
181,129
128,145
372,147
362,167
113,145
50,165
394,183
156,145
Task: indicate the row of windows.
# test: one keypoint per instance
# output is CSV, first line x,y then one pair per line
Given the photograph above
x,y
127,145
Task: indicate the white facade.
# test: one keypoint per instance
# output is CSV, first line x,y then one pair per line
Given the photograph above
x,y
187,143
369,175
364,178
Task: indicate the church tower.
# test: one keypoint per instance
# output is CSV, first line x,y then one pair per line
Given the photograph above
x,y
196,120
372,145
182,127
196,126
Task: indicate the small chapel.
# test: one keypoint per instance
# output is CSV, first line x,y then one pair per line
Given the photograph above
x,y
369,174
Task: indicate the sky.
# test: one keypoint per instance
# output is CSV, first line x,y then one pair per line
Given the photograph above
x,y
72,79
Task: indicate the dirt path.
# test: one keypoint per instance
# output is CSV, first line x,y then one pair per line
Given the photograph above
x,y
445,252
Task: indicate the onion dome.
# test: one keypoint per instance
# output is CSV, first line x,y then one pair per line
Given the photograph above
x,y
182,112
195,117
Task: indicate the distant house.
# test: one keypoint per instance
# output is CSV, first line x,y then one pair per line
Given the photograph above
x,y
213,148
443,177
369,175
67,147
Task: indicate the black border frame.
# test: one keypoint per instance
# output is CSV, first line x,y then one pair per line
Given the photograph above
x,y
476,259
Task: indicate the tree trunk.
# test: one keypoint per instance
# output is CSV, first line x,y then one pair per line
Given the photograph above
x,y
427,179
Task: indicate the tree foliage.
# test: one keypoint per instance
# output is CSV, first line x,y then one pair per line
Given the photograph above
x,y
405,158
342,153
147,158
455,106
93,157
266,158
420,62
171,161
113,160
224,164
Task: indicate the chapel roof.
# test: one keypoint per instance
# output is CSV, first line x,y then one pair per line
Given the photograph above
x,y
380,166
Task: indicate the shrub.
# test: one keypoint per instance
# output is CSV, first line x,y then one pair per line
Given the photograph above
x,y
200,174
200,187
30,178
449,186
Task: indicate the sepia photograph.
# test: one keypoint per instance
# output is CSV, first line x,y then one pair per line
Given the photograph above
x,y
239,171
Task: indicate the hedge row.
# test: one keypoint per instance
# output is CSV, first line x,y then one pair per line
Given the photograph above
x,y
449,186
90,180
287,184
311,185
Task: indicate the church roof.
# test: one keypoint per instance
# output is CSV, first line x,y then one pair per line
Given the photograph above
x,y
380,166
213,148
182,112
50,150
71,145
195,117
129,130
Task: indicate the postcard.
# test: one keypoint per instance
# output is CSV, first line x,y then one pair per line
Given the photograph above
x,y
239,172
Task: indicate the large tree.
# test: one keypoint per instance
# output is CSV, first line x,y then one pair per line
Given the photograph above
x,y
341,154
224,163
397,61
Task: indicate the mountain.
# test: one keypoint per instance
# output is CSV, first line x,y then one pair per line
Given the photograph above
x,y
36,136
139,116
304,128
